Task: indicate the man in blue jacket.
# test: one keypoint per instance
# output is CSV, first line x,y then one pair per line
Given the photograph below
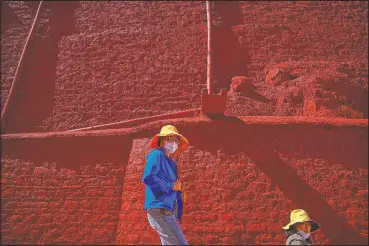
x,y
163,201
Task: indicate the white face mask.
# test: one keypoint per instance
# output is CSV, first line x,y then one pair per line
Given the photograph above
x,y
171,147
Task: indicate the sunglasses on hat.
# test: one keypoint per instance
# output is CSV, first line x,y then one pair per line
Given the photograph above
x,y
173,138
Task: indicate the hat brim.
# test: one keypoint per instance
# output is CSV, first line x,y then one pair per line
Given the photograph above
x,y
181,147
314,226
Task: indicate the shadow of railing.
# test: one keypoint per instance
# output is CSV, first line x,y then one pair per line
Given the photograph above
x,y
230,58
34,99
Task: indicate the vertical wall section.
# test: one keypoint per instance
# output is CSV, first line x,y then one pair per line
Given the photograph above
x,y
242,178
34,99
69,194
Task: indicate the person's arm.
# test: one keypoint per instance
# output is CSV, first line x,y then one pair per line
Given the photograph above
x,y
157,184
297,242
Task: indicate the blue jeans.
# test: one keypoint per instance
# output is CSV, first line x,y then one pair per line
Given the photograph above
x,y
167,228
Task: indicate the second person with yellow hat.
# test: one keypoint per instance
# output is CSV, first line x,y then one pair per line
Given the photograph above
x,y
299,229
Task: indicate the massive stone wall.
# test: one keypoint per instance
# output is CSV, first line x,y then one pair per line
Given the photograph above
x,y
311,38
70,194
241,179
242,182
16,21
102,62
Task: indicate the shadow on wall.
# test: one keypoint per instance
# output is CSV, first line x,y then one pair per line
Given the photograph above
x,y
35,98
81,166
229,12
263,148
8,17
230,59
70,152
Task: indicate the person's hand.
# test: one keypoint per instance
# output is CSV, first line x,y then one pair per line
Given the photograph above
x,y
184,196
177,185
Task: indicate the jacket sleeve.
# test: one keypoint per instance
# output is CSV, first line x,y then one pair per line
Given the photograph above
x,y
151,178
297,242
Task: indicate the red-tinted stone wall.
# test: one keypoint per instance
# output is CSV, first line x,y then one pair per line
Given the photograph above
x,y
70,194
138,59
100,62
321,37
44,205
275,32
243,181
113,61
16,21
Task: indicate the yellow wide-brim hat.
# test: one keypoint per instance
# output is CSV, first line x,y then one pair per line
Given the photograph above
x,y
169,130
300,216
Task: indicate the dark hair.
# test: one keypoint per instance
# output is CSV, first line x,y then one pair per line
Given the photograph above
x,y
159,141
293,227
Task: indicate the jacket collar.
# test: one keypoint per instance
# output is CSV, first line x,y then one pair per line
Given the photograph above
x,y
303,234
306,236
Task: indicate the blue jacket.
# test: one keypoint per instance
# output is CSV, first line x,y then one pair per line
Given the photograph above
x,y
159,176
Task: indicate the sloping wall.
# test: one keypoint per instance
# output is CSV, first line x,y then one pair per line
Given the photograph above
x,y
113,61
16,21
242,178
101,62
69,194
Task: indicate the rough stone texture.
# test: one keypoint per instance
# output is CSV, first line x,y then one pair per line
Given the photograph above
x,y
242,186
132,200
241,181
16,21
241,84
141,59
319,89
113,61
44,204
71,194
100,62
307,31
